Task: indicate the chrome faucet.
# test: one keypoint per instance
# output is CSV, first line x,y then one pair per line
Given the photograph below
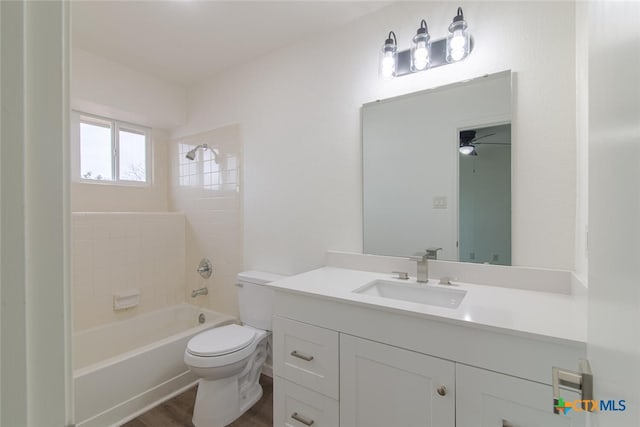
x,y
423,265
201,291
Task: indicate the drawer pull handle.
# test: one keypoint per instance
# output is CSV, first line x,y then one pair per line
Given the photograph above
x,y
442,390
302,419
295,353
506,423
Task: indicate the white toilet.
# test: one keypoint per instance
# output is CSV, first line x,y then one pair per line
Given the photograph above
x,y
229,359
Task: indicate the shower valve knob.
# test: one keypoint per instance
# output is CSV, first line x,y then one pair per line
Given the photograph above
x,y
205,268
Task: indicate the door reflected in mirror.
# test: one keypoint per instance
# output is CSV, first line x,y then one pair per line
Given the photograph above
x,y
419,191
485,195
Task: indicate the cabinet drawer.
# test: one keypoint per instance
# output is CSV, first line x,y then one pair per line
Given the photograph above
x,y
306,355
295,406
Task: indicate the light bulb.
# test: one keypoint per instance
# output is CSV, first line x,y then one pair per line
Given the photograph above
x,y
388,66
420,58
457,54
420,47
458,40
388,55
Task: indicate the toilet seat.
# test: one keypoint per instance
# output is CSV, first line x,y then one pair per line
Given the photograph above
x,y
222,340
222,346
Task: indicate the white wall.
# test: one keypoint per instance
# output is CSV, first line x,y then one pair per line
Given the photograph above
x,y
299,109
614,208
582,140
36,343
106,88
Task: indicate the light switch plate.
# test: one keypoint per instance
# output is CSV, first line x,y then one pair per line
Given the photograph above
x,y
440,202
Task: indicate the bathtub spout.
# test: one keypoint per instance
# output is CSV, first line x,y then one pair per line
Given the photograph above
x,y
201,291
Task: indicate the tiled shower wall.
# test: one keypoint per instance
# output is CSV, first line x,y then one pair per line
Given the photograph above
x,y
114,252
210,195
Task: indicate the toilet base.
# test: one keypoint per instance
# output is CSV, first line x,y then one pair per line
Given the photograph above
x,y
221,401
219,404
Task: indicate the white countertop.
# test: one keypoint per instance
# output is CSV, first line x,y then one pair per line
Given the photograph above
x,y
542,315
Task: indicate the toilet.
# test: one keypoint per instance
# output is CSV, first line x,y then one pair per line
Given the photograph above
x,y
229,359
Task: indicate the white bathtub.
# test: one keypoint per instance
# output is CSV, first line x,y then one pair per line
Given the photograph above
x,y
128,366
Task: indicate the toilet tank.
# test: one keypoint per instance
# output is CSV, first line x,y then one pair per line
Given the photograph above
x,y
254,299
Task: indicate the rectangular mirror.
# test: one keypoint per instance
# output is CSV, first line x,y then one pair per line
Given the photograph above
x,y
420,190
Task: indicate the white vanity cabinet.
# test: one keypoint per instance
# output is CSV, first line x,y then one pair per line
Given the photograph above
x,y
328,379
376,385
489,399
382,386
340,361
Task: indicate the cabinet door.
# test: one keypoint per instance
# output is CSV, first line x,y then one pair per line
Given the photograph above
x,y
386,386
489,399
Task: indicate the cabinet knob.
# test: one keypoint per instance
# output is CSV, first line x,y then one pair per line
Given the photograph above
x,y
506,423
442,390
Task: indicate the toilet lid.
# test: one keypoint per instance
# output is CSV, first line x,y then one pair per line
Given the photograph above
x,y
222,340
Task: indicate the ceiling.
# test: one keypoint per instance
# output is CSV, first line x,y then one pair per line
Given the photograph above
x,y
185,42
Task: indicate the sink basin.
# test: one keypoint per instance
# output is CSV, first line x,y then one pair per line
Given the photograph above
x,y
411,292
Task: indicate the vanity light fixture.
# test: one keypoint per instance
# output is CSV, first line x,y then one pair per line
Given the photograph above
x,y
424,53
389,57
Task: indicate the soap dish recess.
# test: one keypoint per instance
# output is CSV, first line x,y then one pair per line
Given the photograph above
x,y
126,299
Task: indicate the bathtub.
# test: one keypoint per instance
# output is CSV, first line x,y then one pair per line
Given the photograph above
x,y
126,367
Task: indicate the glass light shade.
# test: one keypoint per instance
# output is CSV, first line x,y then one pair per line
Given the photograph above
x,y
467,149
388,60
458,40
420,51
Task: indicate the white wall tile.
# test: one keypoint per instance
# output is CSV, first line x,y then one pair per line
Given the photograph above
x,y
113,252
210,196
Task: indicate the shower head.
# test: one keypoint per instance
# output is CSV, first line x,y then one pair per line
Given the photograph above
x,y
191,155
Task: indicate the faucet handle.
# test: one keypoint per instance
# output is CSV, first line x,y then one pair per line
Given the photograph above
x,y
432,253
446,280
402,275
418,256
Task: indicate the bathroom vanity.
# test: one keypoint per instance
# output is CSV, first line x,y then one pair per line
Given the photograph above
x,y
345,355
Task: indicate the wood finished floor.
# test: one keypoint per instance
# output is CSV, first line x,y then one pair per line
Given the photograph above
x,y
177,412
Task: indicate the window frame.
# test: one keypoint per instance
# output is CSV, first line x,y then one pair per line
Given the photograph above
x,y
79,117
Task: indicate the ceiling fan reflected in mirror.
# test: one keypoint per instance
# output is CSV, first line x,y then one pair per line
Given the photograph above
x,y
468,142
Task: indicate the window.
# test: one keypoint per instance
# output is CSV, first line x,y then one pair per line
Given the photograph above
x,y
110,151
